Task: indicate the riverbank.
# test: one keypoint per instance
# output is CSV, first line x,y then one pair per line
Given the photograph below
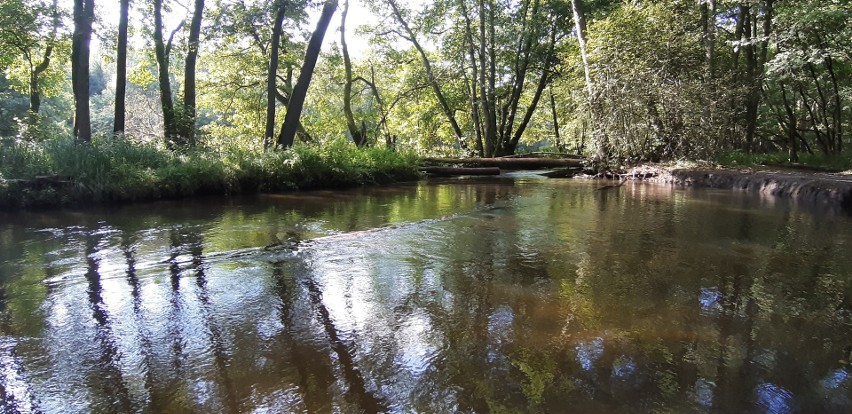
x,y
60,173
807,187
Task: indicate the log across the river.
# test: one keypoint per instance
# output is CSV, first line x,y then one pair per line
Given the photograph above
x,y
507,163
456,171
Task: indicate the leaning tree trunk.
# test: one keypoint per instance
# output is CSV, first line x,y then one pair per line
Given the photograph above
x,y
84,14
271,77
38,70
300,91
121,69
580,26
427,66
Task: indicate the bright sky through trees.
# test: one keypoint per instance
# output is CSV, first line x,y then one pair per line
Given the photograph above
x,y
107,12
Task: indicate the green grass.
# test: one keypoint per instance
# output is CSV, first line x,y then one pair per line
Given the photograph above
x,y
119,171
811,161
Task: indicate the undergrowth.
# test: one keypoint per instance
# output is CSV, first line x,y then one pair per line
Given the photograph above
x,y
110,170
838,162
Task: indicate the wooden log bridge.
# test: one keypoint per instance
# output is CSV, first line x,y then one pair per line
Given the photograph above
x,y
456,171
507,163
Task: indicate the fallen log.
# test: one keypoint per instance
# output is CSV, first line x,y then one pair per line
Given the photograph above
x,y
456,171
567,172
40,182
508,163
557,155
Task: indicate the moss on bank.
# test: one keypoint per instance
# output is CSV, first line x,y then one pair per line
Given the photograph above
x,y
60,172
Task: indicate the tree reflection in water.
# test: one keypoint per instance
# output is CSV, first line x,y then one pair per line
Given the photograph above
x,y
474,296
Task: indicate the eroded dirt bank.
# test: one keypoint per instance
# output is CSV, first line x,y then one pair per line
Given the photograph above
x,y
825,189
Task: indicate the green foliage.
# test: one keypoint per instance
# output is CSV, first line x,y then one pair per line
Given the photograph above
x,y
120,170
650,102
539,370
830,162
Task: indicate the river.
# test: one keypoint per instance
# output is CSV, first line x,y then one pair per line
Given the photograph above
x,y
509,294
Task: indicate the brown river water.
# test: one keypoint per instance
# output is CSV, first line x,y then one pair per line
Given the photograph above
x,y
511,294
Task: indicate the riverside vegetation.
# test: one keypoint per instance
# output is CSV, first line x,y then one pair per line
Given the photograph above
x,y
118,170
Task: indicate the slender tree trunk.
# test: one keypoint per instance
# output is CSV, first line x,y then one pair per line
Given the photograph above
x,y
427,66
359,138
380,102
838,105
271,84
823,104
556,137
84,15
529,31
542,83
792,126
709,25
755,69
599,137
580,29
121,69
739,29
187,121
473,87
300,91
38,70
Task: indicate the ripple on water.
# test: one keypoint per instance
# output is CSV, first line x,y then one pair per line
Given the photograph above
x,y
774,399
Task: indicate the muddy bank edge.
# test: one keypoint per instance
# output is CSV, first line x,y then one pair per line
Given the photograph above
x,y
831,190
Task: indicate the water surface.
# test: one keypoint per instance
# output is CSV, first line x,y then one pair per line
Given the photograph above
x,y
497,295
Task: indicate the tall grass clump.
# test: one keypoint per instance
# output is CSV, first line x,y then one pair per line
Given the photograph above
x,y
116,170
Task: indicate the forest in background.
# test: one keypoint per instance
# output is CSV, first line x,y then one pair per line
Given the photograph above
x,y
619,81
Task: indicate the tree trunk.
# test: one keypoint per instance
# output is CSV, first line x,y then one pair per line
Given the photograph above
x,y
300,91
742,16
161,50
838,105
792,126
35,73
487,67
580,28
187,121
359,138
475,106
755,69
427,66
121,69
84,15
542,83
556,137
708,14
271,87
521,68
